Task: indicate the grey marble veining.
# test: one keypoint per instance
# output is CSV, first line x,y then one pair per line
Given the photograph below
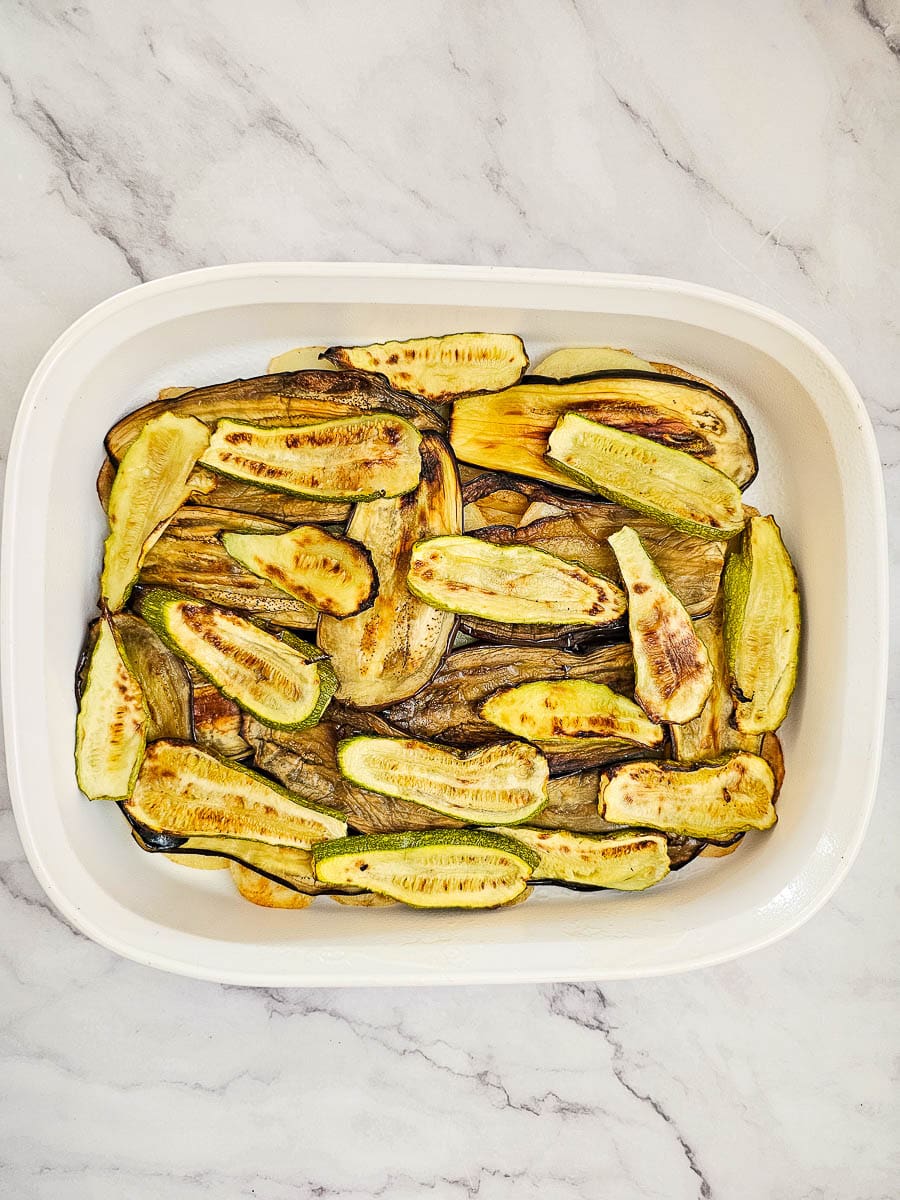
x,y
753,147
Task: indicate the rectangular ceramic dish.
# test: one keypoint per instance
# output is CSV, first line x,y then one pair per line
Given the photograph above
x,y
819,472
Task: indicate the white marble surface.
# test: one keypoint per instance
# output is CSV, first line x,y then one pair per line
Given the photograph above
x,y
754,147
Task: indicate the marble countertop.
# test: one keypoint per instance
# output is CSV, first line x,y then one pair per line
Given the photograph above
x,y
752,147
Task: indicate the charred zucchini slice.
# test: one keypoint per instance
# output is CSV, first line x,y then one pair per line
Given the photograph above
x,y
667,484
673,675
150,484
588,360
627,862
261,890
161,675
508,431
495,785
439,367
283,684
111,728
357,458
565,712
762,627
514,584
185,792
457,868
706,800
390,650
332,574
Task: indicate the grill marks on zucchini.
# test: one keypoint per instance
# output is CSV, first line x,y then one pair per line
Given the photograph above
x,y
628,862
437,368
497,784
357,458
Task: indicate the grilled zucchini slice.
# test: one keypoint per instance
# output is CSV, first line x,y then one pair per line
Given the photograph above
x,y
111,728
627,862
706,800
762,627
455,868
566,713
150,484
357,458
495,785
332,574
588,360
667,484
284,683
390,650
513,584
439,367
161,675
673,674
185,792
508,431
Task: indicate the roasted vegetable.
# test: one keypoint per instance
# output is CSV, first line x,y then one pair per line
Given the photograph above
x,y
334,575
559,713
111,727
499,784
449,708
150,484
217,720
259,889
299,398
762,627
462,868
628,862
673,675
186,792
439,367
284,683
588,360
711,801
664,483
302,358
514,584
391,650
509,431
161,676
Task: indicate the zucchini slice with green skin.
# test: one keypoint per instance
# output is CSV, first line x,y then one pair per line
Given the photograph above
x,y
704,800
627,862
667,484
185,792
111,728
564,713
456,868
514,584
437,368
497,785
762,627
672,671
508,431
162,677
332,574
588,360
358,458
389,651
284,683
150,485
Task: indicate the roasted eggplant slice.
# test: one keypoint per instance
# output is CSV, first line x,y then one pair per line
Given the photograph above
x,y
563,713
714,800
497,785
449,708
299,398
508,431
258,889
627,862
437,368
186,792
589,360
150,485
283,682
162,678
357,458
391,650
460,868
111,729
332,574
667,484
673,675
514,584
762,627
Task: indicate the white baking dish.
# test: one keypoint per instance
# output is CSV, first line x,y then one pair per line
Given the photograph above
x,y
819,473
